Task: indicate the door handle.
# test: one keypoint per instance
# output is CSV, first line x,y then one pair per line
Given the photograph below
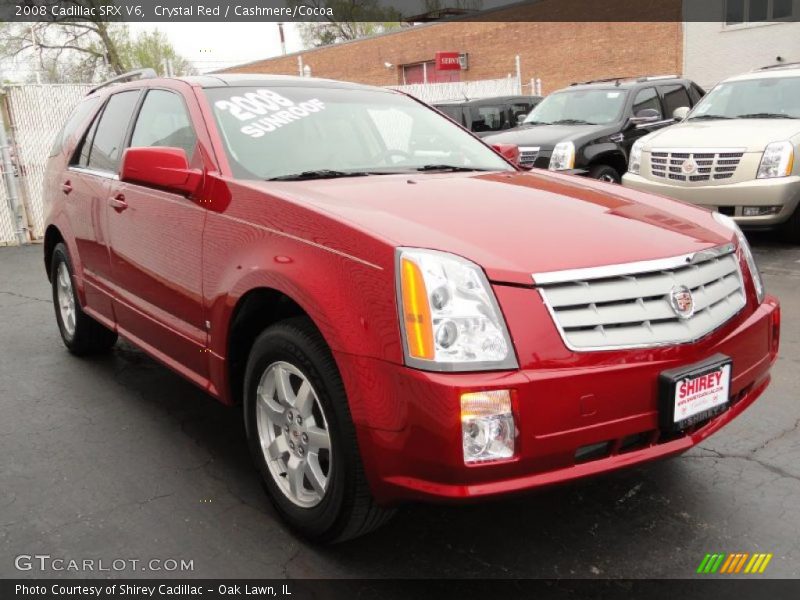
x,y
66,187
118,202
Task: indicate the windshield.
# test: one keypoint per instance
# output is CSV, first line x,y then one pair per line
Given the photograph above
x,y
579,106
284,131
773,97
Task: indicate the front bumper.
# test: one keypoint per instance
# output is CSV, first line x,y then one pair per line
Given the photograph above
x,y
409,429
781,191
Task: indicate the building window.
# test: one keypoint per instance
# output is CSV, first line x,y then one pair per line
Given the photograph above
x,y
738,12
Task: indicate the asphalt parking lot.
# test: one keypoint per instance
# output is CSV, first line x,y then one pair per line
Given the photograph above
x,y
119,458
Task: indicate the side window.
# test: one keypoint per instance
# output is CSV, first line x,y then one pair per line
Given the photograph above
x,y
697,92
81,156
675,96
647,98
519,110
110,136
164,121
77,117
487,118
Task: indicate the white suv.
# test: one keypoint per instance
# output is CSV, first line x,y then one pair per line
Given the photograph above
x,y
735,152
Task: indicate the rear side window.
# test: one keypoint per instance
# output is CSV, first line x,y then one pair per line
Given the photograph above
x,y
164,121
675,96
646,98
109,139
77,118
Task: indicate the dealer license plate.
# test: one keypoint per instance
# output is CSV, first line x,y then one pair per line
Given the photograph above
x,y
695,393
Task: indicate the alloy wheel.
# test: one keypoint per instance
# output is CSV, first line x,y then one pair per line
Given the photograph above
x,y
294,435
66,299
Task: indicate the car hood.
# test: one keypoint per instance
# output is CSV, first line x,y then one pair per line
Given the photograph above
x,y
750,134
513,224
547,136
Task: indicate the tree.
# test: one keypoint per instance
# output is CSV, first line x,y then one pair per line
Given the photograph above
x,y
62,50
85,51
351,20
436,5
151,49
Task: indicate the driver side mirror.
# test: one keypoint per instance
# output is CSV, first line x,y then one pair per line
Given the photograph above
x,y
646,116
520,119
508,151
680,113
161,167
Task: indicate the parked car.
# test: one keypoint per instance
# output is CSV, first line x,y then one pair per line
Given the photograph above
x,y
588,128
403,314
736,152
489,115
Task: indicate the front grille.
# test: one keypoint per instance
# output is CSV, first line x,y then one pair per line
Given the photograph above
x,y
628,306
527,155
711,166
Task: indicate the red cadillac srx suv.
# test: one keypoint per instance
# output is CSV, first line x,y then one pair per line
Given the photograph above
x,y
403,313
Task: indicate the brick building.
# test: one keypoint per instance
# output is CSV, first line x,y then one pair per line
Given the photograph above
x,y
556,40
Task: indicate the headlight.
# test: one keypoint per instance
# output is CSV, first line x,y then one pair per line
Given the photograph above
x,y
563,157
635,161
777,161
449,315
744,246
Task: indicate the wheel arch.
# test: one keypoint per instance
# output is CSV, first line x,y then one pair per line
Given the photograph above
x,y
52,237
613,157
254,311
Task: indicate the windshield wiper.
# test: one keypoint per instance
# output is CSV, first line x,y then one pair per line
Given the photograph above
x,y
536,123
698,117
765,115
573,122
318,174
454,168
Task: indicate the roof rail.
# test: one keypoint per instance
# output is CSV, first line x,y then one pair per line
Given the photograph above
x,y
779,65
605,80
655,78
147,73
636,78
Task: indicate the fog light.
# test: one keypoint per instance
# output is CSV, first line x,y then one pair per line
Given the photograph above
x,y
487,426
760,211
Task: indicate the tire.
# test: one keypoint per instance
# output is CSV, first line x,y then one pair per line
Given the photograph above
x,y
605,173
790,230
294,352
82,335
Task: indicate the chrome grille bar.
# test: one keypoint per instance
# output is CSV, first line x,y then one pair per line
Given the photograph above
x,y
628,306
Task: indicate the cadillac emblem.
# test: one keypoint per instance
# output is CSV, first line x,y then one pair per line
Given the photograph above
x,y
689,166
682,301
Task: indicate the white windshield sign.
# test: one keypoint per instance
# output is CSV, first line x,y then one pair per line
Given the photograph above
x,y
263,111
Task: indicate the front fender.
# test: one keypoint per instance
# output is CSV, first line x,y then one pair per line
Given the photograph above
x,y
594,151
350,300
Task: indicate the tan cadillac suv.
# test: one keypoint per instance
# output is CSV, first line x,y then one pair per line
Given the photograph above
x,y
735,152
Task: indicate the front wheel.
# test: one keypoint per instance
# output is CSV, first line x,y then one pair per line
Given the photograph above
x,y
302,437
604,173
81,334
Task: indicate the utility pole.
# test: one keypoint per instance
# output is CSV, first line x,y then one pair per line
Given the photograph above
x,y
12,190
283,39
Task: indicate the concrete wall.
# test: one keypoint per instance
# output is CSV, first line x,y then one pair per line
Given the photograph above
x,y
714,51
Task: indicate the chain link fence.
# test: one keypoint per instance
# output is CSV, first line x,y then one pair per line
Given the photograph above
x,y
36,114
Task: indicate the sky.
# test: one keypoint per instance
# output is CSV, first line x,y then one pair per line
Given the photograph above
x,y
212,46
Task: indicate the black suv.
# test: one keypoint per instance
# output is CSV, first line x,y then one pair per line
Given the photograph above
x,y
588,128
489,115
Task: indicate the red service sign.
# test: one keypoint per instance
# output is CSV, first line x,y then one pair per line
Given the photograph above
x,y
448,61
